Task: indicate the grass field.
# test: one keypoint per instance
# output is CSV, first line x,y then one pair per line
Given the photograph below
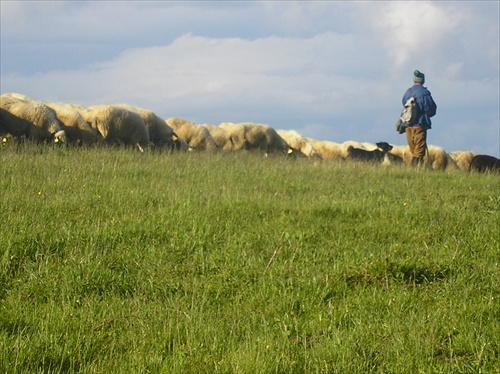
x,y
112,261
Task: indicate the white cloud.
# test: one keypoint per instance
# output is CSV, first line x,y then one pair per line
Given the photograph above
x,y
296,71
414,28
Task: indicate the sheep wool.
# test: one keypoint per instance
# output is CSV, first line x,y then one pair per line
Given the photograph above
x,y
118,125
197,136
254,136
13,125
462,159
403,152
31,118
299,142
327,150
160,133
438,159
220,136
78,131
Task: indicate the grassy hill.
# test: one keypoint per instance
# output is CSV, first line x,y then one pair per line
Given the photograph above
x,y
112,261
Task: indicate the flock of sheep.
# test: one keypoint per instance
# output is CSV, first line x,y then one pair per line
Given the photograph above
x,y
121,124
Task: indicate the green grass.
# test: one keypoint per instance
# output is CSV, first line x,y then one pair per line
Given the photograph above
x,y
112,261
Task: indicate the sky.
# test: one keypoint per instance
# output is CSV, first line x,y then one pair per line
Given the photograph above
x,y
331,70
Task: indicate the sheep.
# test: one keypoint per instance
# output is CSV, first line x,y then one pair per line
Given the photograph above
x,y
484,163
3,118
78,131
437,158
376,155
160,133
6,137
462,159
451,165
299,142
16,96
196,136
118,125
255,136
395,156
326,149
220,136
401,151
13,125
31,119
399,154
392,159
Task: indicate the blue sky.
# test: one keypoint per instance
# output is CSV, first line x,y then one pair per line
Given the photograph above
x,y
332,70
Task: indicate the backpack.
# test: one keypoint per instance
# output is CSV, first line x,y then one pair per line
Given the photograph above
x,y
411,113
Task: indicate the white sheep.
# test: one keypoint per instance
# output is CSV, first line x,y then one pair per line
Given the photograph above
x,y
16,96
197,136
118,125
11,124
326,149
298,142
462,159
30,118
160,133
402,152
436,158
220,136
78,131
255,136
439,159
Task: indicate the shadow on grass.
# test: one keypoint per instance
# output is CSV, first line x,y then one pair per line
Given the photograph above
x,y
407,274
412,274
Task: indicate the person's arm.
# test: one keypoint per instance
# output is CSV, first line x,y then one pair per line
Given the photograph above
x,y
431,106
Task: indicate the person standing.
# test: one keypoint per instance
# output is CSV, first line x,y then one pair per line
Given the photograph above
x,y
416,134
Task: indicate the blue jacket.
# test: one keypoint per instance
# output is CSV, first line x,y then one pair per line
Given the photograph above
x,y
425,103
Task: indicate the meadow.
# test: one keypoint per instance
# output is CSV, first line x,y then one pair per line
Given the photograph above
x,y
113,261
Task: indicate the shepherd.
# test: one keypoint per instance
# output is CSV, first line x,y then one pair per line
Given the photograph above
x,y
416,129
